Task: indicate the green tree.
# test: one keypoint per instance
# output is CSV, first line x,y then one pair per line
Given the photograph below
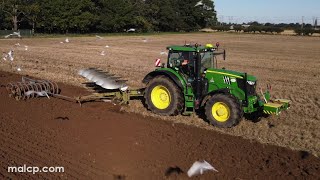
x,y
206,16
255,28
162,14
116,15
3,21
140,20
254,23
238,28
62,16
32,12
13,10
181,15
65,16
278,30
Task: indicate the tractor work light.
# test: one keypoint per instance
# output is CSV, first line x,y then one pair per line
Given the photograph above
x,y
209,46
251,83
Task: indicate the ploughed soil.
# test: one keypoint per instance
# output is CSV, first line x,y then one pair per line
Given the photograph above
x,y
290,64
99,141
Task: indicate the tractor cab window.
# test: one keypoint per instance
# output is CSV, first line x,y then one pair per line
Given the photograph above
x,y
177,59
206,60
182,61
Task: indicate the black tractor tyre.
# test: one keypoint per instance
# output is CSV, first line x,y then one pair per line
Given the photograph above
x,y
176,104
229,102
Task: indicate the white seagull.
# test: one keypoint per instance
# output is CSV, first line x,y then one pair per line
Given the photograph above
x,y
200,3
163,53
10,55
13,34
199,168
99,37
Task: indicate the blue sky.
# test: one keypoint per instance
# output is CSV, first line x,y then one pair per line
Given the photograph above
x,y
275,11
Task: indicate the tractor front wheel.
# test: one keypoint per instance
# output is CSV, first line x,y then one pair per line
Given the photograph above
x,y
223,110
163,97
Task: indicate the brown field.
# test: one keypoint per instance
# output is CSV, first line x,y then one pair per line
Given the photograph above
x,y
99,141
290,64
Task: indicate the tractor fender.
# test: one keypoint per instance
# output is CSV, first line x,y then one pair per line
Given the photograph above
x,y
208,96
169,74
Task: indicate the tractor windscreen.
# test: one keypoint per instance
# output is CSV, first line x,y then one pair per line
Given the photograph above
x,y
207,60
176,58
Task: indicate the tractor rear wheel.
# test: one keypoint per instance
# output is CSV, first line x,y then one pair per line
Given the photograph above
x,y
223,110
163,97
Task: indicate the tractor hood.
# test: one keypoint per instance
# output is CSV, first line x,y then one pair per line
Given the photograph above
x,y
230,73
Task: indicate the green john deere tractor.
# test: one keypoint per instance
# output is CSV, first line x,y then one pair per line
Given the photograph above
x,y
191,81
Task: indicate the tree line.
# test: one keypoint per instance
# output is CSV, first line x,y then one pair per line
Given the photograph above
x,y
84,16
256,27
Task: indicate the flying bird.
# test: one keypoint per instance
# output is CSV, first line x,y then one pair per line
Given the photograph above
x,y
205,7
102,53
99,37
13,34
200,3
163,53
16,34
10,55
199,168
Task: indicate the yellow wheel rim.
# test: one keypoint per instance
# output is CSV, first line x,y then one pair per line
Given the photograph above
x,y
160,97
220,112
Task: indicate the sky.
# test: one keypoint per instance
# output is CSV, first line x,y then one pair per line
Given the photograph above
x,y
274,11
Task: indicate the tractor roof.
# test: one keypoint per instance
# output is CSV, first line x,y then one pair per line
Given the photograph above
x,y
190,48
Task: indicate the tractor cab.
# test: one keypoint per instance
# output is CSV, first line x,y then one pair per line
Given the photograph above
x,y
186,58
